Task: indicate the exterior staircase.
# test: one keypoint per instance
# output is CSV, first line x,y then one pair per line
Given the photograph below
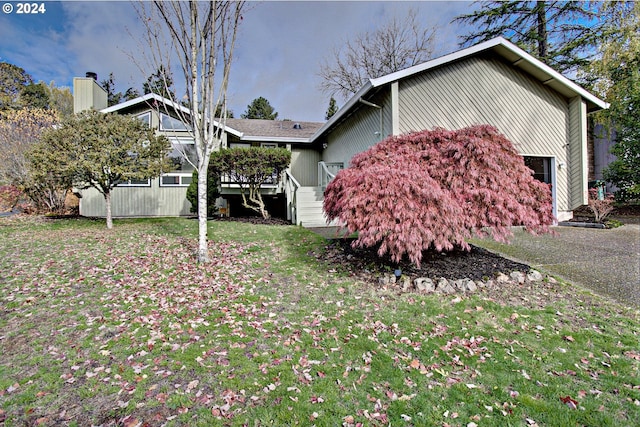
x,y
309,207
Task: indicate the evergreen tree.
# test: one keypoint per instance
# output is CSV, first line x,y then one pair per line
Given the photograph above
x,y
560,33
616,76
333,108
160,83
13,80
35,95
260,109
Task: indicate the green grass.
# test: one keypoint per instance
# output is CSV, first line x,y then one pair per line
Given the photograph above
x,y
122,327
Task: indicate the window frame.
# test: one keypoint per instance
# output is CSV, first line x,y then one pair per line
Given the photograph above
x,y
181,178
128,183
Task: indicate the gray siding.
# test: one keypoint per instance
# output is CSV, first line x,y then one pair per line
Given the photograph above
x,y
578,153
358,131
137,201
88,94
304,166
488,91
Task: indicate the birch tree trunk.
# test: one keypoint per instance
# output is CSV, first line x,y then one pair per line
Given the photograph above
x,y
201,36
107,200
203,246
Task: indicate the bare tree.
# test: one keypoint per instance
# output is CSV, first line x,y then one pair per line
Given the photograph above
x,y
396,45
201,37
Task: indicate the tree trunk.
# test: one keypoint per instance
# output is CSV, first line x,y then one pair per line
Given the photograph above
x,y
203,247
107,200
543,49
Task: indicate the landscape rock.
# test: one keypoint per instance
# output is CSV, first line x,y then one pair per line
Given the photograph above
x,y
534,276
405,283
387,279
502,278
424,284
444,286
517,276
470,285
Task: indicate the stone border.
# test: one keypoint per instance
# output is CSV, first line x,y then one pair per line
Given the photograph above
x,y
425,285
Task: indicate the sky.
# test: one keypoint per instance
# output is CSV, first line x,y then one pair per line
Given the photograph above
x,y
280,45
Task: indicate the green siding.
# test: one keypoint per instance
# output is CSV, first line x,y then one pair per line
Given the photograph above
x,y
578,153
137,201
304,166
358,131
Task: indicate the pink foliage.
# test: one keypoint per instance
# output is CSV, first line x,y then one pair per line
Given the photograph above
x,y
434,189
600,208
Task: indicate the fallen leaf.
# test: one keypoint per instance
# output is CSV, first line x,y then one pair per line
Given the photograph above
x,y
567,400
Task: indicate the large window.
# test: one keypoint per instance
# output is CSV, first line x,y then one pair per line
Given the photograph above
x,y
145,118
541,167
183,157
183,154
175,180
171,123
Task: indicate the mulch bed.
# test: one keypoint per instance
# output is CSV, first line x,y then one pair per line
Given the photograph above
x,y
477,264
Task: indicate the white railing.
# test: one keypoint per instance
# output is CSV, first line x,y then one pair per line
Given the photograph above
x,y
326,172
291,186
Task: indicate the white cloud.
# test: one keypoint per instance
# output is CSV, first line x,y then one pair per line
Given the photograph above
x,y
279,49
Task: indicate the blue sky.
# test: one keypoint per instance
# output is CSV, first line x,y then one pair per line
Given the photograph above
x,y
280,46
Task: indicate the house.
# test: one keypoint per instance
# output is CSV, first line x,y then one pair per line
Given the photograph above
x,y
542,112
166,195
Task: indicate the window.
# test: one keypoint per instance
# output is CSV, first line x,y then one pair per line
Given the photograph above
x,y
268,145
171,123
145,118
541,167
136,183
175,180
183,147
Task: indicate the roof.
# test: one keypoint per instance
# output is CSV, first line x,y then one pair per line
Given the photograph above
x,y
274,130
152,99
500,46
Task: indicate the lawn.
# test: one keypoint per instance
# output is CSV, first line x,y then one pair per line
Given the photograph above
x,y
122,328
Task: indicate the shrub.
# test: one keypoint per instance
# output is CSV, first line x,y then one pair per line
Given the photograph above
x,y
250,169
434,189
212,192
600,208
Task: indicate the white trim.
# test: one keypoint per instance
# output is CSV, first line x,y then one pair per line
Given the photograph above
x,y
129,184
491,44
154,97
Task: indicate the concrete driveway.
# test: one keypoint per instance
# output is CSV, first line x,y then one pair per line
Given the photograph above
x,y
605,261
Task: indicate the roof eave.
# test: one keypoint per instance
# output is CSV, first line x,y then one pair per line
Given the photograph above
x,y
594,103
152,96
254,138
342,111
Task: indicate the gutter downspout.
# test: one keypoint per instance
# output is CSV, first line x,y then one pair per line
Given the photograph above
x,y
379,107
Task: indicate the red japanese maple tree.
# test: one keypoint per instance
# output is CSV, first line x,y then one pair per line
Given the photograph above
x,y
435,189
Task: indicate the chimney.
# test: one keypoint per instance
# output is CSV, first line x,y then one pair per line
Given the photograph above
x,y
88,94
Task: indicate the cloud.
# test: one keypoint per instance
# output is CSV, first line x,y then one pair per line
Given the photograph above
x,y
279,49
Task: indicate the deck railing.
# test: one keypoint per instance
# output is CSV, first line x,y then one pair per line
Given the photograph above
x,y
326,172
291,186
